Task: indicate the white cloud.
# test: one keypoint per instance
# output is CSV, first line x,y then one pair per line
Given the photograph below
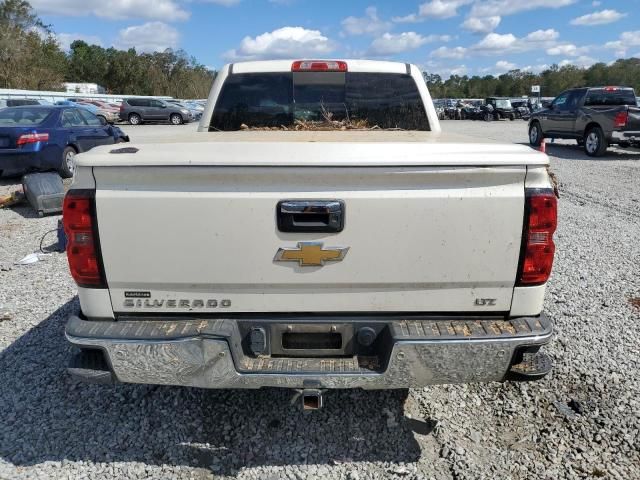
x,y
481,24
441,8
567,49
548,35
370,24
434,9
149,37
444,70
627,40
447,52
459,70
598,18
496,41
631,38
167,10
536,68
582,61
224,3
504,66
391,44
66,39
285,42
503,43
487,8
411,18
498,44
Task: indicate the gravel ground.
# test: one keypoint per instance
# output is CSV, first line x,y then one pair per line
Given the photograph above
x,y
582,421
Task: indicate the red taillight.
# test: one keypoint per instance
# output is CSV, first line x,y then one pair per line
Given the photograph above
x,y
620,120
541,217
85,263
610,89
33,137
318,66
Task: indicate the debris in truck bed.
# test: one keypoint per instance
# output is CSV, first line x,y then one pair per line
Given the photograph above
x,y
326,125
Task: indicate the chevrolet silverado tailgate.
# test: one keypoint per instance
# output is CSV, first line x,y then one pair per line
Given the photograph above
x,y
426,228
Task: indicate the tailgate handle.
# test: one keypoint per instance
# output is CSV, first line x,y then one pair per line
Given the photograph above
x,y
310,215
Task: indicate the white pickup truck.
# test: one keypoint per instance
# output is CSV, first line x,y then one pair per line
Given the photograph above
x,y
282,246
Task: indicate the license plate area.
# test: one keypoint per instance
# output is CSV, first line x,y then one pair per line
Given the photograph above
x,y
311,340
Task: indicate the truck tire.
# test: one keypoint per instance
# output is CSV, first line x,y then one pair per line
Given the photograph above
x,y
135,119
176,119
67,165
595,143
535,134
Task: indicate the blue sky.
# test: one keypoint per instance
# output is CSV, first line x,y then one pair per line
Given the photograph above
x,y
473,37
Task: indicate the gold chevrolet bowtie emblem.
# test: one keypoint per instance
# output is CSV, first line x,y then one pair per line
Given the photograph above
x,y
311,254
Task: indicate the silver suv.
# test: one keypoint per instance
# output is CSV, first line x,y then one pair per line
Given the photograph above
x,y
138,110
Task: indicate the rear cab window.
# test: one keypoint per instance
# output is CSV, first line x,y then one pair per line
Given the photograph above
x,y
610,97
257,100
23,116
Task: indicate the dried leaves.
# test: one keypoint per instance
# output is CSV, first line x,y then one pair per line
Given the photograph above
x,y
325,125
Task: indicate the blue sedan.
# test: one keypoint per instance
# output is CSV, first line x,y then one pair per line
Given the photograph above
x,y
45,138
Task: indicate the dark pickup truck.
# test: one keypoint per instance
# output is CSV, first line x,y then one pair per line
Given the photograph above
x,y
595,117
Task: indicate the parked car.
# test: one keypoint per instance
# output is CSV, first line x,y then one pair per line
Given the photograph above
x,y
102,105
521,108
139,110
496,108
18,102
69,103
108,115
195,110
594,117
48,137
472,111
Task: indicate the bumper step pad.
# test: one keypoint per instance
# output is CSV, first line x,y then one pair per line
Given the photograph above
x,y
360,365
90,366
532,367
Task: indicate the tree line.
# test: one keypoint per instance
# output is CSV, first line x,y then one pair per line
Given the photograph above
x,y
31,58
554,80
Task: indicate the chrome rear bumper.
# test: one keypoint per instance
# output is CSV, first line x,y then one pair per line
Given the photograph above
x,y
208,353
632,138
